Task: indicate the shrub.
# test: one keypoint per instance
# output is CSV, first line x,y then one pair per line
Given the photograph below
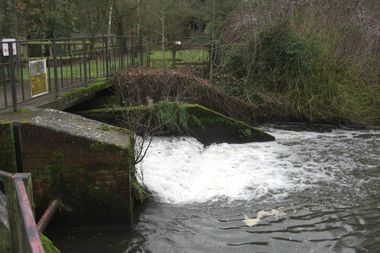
x,y
305,69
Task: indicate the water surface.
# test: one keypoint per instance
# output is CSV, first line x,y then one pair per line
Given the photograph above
x,y
325,185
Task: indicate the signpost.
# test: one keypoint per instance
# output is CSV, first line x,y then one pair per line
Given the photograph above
x,y
5,43
38,78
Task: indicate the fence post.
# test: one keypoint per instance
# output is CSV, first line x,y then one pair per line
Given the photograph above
x,y
85,60
174,55
13,214
2,78
12,76
55,68
133,54
141,51
107,56
149,42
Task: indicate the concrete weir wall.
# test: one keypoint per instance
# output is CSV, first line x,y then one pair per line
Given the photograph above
x,y
7,148
83,162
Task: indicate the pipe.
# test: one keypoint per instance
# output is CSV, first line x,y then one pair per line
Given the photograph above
x,y
48,214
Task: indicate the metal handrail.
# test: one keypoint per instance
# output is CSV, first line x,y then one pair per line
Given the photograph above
x,y
23,229
69,63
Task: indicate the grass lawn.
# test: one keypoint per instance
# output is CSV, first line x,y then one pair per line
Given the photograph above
x,y
182,56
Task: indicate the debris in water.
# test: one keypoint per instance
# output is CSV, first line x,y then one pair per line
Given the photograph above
x,y
262,214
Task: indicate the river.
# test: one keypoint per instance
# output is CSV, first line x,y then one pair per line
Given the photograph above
x,y
305,192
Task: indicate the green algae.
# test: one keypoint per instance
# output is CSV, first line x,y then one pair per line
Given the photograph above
x,y
48,245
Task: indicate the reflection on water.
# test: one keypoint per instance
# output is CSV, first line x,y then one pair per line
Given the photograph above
x,y
326,186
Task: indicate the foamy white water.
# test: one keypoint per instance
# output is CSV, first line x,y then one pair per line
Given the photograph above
x,y
181,170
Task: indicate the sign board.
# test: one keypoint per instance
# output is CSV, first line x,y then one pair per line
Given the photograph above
x,y
38,78
6,46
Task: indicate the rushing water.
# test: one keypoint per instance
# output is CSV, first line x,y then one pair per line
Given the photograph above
x,y
305,192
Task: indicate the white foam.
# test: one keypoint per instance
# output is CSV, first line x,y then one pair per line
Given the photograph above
x,y
181,170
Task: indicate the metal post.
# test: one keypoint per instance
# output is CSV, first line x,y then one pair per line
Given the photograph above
x,y
2,78
141,51
148,53
133,51
48,214
174,54
12,76
30,236
55,68
13,214
85,60
107,56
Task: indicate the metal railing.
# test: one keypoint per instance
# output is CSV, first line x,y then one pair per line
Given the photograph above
x,y
23,230
180,51
69,63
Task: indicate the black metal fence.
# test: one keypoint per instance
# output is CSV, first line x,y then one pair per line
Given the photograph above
x,y
69,63
180,51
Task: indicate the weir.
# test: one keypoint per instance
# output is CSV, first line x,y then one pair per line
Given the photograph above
x,y
87,164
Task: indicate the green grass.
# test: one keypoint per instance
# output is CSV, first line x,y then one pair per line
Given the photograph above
x,y
182,56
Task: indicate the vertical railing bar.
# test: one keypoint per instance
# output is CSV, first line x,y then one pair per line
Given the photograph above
x,y
48,66
119,50
103,58
60,66
89,59
96,63
107,59
66,60
12,76
80,66
20,66
141,51
126,51
84,61
55,67
71,65
29,223
2,78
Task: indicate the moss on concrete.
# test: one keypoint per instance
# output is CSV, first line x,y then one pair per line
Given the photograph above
x,y
195,120
210,126
96,86
78,95
48,245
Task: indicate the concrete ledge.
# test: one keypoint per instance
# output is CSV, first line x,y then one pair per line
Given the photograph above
x,y
77,95
85,163
202,123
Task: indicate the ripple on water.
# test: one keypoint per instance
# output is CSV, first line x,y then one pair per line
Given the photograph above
x,y
326,184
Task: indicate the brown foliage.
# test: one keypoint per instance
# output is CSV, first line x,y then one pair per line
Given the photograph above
x,y
173,85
